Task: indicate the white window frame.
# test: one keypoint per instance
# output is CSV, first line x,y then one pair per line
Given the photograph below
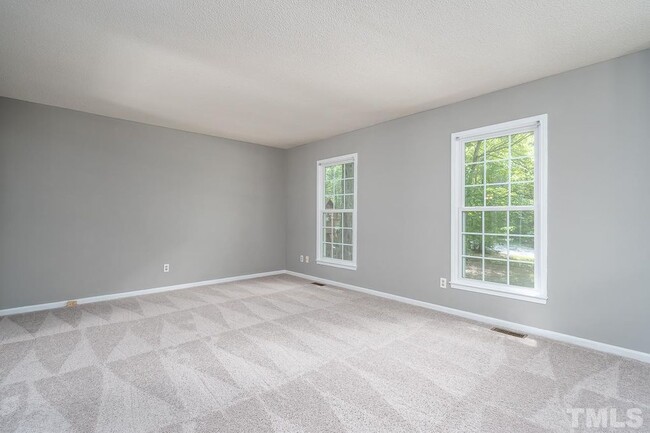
x,y
338,263
539,124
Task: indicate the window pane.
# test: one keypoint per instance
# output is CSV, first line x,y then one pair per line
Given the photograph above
x,y
496,246
496,271
522,222
496,172
329,173
338,186
522,170
329,187
347,252
522,248
327,219
347,236
496,195
338,235
474,151
473,245
349,170
523,144
338,219
474,196
337,251
472,268
347,219
473,174
349,201
338,171
523,194
472,222
496,222
497,148
522,274
328,235
327,250
338,202
329,202
349,186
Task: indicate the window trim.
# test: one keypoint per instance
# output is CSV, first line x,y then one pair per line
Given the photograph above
x,y
320,167
539,294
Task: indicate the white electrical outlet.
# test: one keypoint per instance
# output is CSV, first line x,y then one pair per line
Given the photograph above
x,y
306,259
443,283
302,258
166,267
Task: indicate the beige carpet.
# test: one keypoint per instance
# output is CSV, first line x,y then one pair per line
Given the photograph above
x,y
279,354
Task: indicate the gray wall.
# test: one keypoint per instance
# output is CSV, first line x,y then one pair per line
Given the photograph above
x,y
598,208
91,205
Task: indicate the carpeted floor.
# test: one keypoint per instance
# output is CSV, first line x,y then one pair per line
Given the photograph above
x,y
279,354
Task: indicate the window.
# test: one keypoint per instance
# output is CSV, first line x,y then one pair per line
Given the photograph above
x,y
499,209
337,212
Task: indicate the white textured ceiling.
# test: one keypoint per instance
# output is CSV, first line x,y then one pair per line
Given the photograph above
x,y
287,72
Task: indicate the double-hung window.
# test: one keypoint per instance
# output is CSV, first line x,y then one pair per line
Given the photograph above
x,y
337,212
499,209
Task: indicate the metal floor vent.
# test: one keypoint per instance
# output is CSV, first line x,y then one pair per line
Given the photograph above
x,y
508,332
318,284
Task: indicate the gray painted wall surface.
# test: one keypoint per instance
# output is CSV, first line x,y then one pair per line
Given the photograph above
x,y
91,205
598,207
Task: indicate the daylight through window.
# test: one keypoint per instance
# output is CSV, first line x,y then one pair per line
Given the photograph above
x,y
499,207
337,211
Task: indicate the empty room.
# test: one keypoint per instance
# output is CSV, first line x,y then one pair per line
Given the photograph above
x,y
333,216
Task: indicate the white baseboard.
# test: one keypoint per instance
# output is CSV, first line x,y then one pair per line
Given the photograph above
x,y
565,338
552,335
99,298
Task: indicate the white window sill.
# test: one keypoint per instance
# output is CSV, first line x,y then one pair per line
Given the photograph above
x,y
521,294
337,264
